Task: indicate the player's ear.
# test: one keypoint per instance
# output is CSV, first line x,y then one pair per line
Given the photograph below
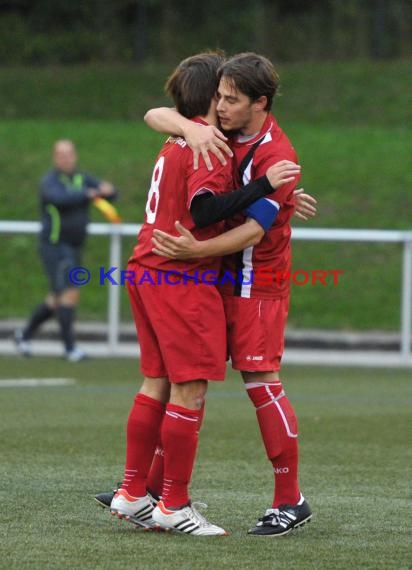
x,y
260,104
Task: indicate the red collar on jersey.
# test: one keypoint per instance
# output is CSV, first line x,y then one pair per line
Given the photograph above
x,y
199,120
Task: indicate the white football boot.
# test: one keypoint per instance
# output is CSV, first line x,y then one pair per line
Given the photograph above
x,y
186,520
138,511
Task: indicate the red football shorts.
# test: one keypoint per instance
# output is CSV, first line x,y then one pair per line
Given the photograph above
x,y
255,330
180,327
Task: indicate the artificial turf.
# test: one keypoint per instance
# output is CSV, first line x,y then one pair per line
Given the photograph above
x,y
61,445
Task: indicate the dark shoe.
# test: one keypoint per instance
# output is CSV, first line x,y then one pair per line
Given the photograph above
x,y
105,499
284,519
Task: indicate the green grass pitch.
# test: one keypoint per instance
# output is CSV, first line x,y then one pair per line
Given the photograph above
x,y
61,445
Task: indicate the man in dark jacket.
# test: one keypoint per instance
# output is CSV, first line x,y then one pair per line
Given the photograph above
x,y
65,196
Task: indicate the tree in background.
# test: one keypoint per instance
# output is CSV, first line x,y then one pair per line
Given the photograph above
x,y
40,31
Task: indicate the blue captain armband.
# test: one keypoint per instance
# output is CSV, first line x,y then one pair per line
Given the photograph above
x,y
264,211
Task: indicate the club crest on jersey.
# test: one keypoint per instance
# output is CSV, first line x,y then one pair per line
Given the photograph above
x,y
177,140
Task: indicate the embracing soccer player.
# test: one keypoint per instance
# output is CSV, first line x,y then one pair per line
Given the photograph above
x,y
256,312
179,318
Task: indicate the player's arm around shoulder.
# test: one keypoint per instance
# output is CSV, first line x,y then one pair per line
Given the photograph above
x,y
166,120
205,141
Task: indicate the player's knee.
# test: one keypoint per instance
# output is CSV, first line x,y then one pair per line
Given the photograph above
x,y
193,401
189,395
199,402
156,388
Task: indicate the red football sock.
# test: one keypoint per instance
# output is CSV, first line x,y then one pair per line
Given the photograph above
x,y
155,478
180,436
278,426
143,428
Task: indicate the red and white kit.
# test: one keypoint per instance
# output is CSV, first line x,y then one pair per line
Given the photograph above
x,y
181,326
264,317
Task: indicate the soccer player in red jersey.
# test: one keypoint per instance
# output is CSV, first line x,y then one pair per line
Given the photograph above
x,y
256,308
179,316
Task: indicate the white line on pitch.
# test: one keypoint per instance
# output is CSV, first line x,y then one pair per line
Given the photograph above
x,y
35,382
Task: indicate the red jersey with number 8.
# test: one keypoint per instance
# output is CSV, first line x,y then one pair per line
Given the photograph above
x,y
174,184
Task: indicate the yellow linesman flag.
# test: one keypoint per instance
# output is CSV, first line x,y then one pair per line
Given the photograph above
x,y
108,210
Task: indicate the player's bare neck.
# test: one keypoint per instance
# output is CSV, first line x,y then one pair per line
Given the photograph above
x,y
210,119
254,126
246,138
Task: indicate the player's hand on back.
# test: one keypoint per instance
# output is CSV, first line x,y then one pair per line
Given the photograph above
x,y
282,172
203,140
185,246
305,206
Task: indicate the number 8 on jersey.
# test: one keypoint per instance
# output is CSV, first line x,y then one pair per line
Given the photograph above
x,y
154,195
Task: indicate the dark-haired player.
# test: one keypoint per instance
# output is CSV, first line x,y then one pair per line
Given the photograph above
x,y
180,319
256,312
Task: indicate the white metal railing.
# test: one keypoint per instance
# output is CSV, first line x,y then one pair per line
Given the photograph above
x,y
115,232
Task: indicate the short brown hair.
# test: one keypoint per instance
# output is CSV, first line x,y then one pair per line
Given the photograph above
x,y
253,75
194,83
